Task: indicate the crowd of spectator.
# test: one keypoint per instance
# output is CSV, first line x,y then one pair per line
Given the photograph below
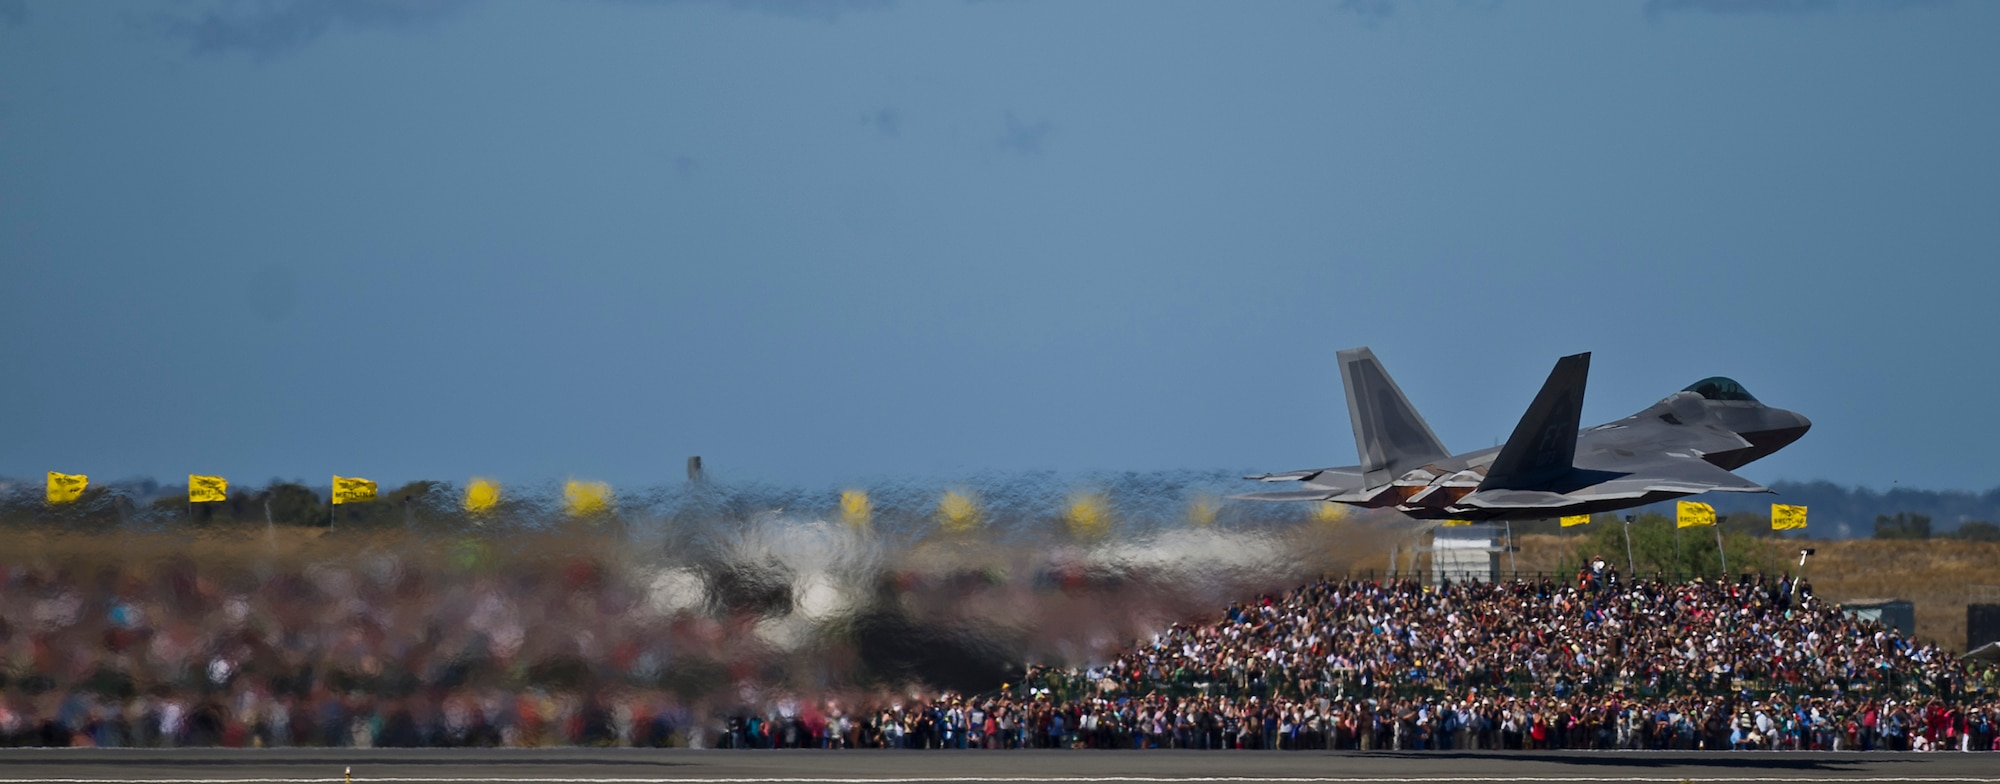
x,y
1753,663
369,653
363,650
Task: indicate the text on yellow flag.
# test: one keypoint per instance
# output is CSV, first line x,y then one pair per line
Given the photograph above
x,y
350,490
1689,514
66,488
207,489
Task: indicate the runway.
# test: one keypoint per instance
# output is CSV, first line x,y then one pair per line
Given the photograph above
x,y
681,766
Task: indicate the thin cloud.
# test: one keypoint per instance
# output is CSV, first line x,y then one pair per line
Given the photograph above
x,y
824,10
818,10
266,29
1654,7
886,121
1024,138
1370,10
1781,7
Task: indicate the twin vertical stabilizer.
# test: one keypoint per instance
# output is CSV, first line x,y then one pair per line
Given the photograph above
x,y
1391,437
1544,441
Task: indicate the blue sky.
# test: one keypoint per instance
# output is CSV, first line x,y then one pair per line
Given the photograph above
x,y
830,242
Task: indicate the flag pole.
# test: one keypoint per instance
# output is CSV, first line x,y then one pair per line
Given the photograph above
x,y
1721,552
1631,567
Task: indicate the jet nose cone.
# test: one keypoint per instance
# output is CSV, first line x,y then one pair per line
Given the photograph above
x,y
1789,427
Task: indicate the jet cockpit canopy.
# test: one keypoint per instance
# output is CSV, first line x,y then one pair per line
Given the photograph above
x,y
1719,388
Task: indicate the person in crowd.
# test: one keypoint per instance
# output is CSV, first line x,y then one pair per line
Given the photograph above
x,y
373,655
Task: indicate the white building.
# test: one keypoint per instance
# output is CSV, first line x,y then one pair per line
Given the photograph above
x,y
1467,552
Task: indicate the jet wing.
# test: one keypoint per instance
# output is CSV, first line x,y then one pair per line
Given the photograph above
x,y
1320,484
1662,474
1345,476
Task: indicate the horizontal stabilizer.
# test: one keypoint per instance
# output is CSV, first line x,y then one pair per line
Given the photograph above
x,y
1335,479
1285,495
1543,445
1288,476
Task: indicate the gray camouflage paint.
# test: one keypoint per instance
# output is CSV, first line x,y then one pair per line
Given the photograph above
x,y
1683,445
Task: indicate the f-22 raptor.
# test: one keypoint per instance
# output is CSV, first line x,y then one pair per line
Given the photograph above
x,y
1683,445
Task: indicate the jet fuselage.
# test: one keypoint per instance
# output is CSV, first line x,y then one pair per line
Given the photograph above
x,y
1683,445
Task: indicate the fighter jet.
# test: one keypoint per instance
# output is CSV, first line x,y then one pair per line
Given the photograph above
x,y
1683,445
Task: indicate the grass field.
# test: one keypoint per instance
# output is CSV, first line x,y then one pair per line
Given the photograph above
x,y
1940,576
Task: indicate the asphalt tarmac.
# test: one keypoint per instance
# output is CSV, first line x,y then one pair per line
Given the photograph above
x,y
591,766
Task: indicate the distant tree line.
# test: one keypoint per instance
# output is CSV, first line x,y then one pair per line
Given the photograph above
x,y
1027,504
279,503
1138,499
1905,525
1833,506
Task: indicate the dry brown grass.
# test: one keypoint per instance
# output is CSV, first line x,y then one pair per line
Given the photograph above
x,y
1933,574
1936,575
238,550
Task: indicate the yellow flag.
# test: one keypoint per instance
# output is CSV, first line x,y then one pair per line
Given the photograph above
x,y
1787,516
66,488
1089,514
1203,511
1456,523
1689,514
855,509
582,499
1328,512
207,489
1575,520
349,490
957,512
481,495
